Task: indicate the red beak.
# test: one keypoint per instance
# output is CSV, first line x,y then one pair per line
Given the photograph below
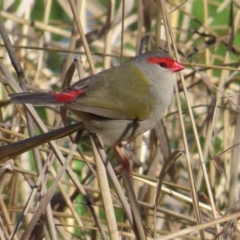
x,y
177,67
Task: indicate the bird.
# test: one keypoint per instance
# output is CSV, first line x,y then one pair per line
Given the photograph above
x,y
118,103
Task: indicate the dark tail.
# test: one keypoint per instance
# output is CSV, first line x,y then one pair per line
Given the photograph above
x,y
14,149
34,98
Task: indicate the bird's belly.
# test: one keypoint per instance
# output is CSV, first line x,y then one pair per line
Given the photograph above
x,y
114,131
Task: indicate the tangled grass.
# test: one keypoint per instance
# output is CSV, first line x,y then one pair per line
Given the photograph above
x,y
184,182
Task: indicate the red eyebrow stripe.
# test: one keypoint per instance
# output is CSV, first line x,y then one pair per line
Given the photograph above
x,y
157,60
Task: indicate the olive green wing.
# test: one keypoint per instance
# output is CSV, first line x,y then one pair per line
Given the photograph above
x,y
118,93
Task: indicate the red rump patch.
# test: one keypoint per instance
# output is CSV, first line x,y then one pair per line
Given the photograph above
x,y
65,97
158,60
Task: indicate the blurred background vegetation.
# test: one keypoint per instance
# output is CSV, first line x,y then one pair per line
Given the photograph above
x,y
202,120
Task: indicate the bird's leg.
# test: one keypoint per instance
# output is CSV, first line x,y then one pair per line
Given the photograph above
x,y
122,159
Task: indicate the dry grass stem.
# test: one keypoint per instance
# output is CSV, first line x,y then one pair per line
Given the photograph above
x,y
185,172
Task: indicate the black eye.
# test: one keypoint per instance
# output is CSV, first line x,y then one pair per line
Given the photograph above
x,y
163,64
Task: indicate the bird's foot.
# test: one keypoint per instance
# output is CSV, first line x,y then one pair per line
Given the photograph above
x,y
123,161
